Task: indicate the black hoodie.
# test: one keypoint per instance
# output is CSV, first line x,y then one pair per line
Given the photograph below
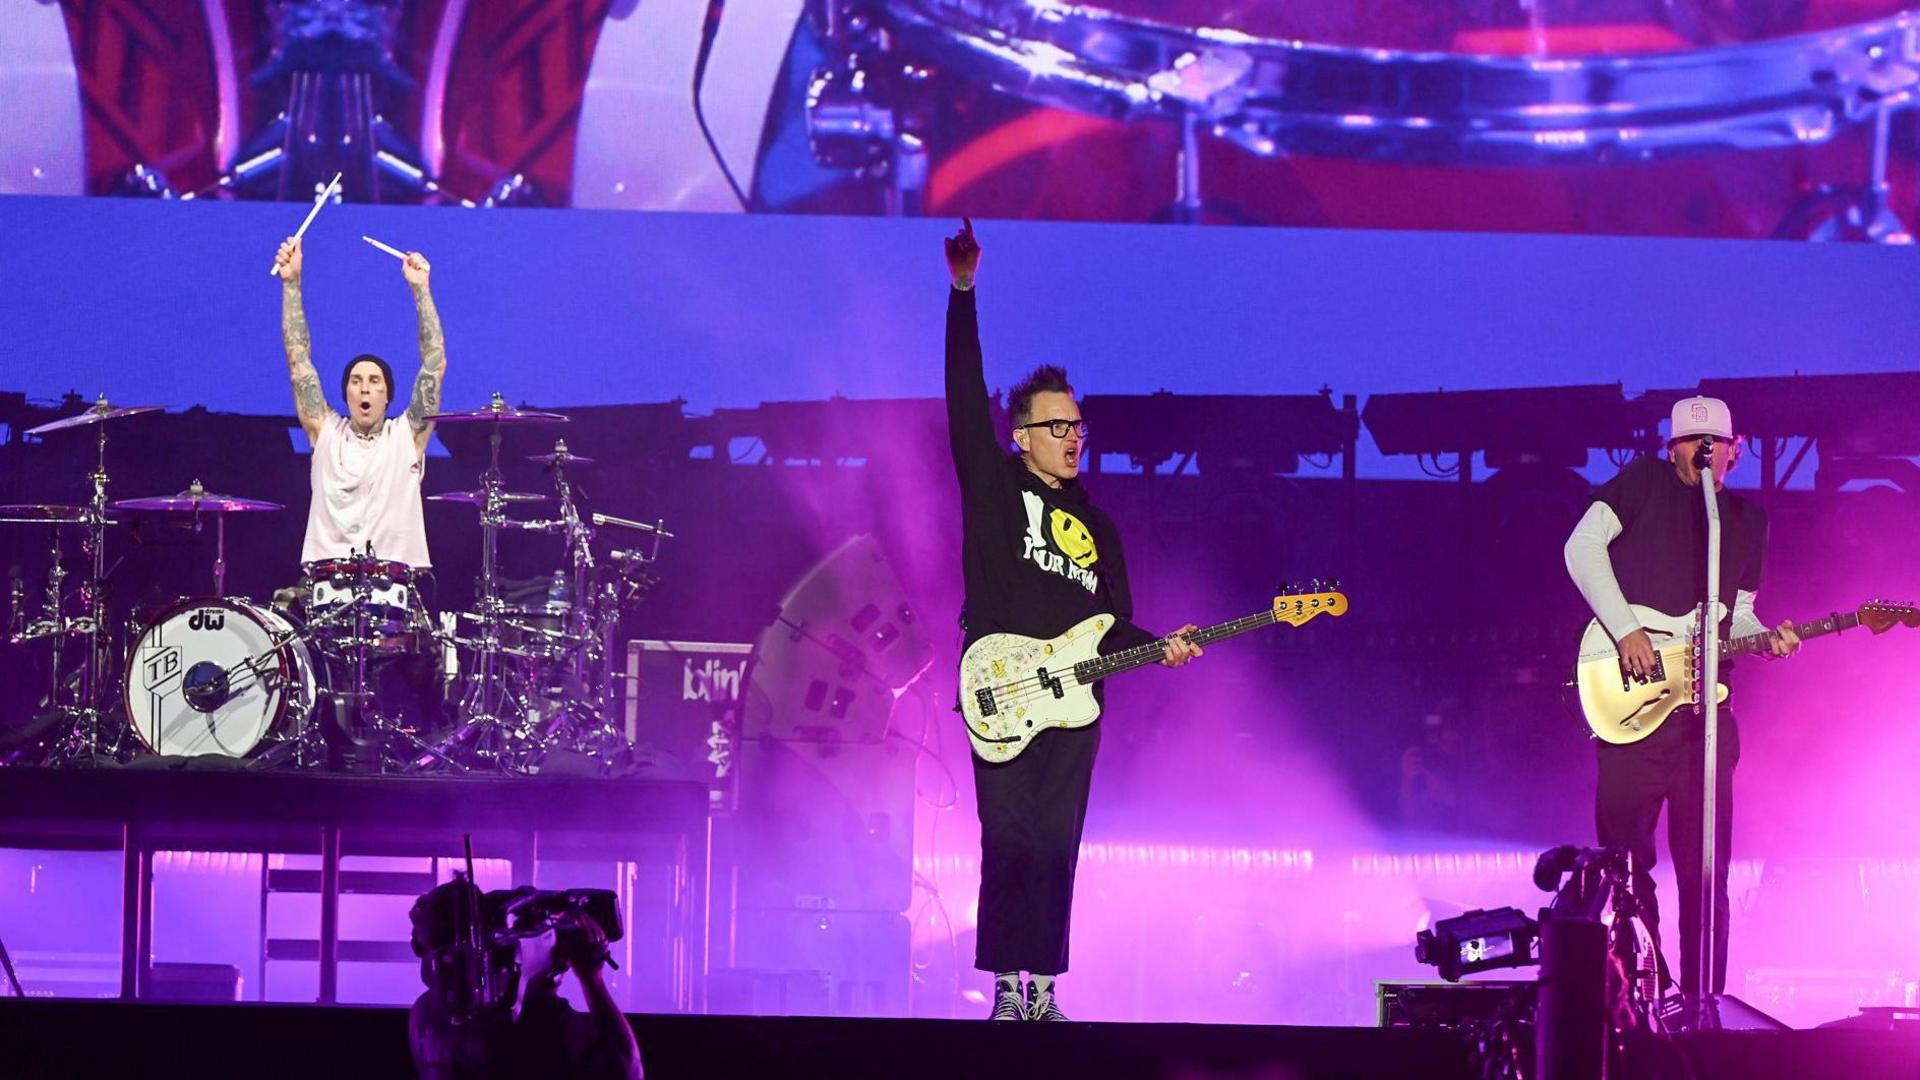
x,y
1037,559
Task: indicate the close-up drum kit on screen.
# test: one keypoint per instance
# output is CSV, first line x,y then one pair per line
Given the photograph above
x,y
308,679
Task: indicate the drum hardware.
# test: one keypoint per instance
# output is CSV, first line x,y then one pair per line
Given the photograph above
x,y
487,731
1310,88
541,677
479,498
353,710
560,457
65,694
83,741
1862,213
585,638
866,114
16,608
197,500
376,598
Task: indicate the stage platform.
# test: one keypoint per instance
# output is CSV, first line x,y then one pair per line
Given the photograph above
x,y
141,810
45,1038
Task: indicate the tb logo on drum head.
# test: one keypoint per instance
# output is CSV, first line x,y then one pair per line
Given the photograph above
x,y
212,618
160,664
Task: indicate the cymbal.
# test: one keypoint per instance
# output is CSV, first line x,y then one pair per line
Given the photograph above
x,y
560,457
47,513
499,412
479,498
98,413
202,501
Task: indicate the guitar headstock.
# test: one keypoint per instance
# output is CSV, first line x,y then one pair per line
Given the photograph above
x,y
1317,599
1879,616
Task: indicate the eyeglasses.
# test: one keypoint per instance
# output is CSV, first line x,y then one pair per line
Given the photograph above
x,y
1059,428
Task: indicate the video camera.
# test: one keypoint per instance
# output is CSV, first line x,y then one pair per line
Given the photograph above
x,y
480,950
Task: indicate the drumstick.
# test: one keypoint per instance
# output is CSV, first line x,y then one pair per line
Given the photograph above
x,y
318,202
389,249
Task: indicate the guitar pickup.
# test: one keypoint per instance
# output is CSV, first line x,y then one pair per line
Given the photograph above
x,y
983,697
1051,683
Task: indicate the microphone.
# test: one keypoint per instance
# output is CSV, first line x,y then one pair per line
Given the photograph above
x,y
1703,456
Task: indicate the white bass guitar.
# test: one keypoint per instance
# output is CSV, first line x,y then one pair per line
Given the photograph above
x,y
1013,687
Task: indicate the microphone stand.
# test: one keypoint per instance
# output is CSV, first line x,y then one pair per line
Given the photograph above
x,y
1706,675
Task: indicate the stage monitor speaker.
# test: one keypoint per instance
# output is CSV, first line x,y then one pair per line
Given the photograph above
x,y
846,642
859,962
822,826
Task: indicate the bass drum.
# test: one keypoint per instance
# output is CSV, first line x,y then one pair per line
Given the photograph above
x,y
218,676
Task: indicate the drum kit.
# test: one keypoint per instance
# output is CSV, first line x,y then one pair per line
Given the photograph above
x,y
308,680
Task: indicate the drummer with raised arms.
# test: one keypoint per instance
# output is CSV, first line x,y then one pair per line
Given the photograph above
x,y
367,466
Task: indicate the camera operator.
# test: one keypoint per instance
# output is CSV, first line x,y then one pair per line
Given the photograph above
x,y
530,1031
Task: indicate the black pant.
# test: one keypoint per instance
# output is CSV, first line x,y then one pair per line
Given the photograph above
x,y
1032,810
1665,767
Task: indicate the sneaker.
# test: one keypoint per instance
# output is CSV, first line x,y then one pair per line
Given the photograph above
x,y
1042,1006
1007,1004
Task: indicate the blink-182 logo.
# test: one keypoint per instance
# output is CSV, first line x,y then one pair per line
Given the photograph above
x,y
212,618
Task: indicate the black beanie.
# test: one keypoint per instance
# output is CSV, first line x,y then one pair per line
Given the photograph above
x,y
385,373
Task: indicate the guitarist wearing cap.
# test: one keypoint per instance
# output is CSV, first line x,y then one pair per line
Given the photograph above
x,y
1642,543
1038,557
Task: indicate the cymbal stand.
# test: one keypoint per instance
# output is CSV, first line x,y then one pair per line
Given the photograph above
x,y
486,729
55,625
219,539
584,616
93,591
628,586
82,743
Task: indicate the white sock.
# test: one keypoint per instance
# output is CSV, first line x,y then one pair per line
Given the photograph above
x,y
1043,984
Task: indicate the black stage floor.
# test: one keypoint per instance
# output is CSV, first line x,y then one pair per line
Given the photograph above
x,y
43,1038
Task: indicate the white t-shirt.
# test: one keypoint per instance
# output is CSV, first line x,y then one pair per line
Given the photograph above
x,y
366,491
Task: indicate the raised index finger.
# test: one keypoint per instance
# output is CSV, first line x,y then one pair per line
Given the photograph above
x,y
966,224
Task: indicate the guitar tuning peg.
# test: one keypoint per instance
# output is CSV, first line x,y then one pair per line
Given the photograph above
x,y
1285,588
1333,585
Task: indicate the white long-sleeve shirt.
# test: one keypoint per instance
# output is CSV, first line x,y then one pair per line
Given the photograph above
x,y
1592,573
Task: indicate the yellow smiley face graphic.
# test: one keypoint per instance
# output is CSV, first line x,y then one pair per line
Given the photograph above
x,y
1070,535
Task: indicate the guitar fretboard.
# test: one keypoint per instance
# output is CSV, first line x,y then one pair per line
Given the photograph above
x,y
1089,671
1755,643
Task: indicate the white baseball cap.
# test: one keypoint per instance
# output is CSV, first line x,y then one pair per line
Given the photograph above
x,y
1700,416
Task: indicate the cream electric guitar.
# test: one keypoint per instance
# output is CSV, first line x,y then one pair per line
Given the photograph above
x,y
1621,709
1013,687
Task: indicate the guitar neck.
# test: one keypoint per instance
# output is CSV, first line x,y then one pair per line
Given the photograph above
x,y
1089,671
1757,643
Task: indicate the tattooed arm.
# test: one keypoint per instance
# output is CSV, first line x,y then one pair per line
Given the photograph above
x,y
309,401
433,352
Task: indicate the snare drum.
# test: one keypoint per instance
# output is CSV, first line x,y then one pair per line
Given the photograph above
x,y
395,616
1685,118
218,676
